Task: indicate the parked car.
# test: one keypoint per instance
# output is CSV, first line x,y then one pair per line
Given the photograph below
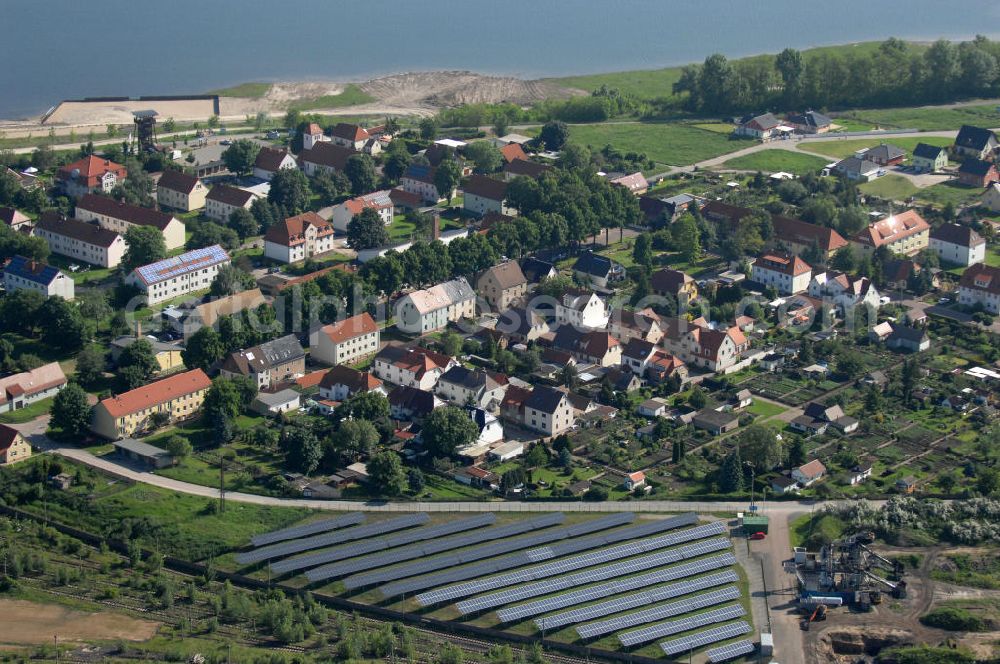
x,y
758,536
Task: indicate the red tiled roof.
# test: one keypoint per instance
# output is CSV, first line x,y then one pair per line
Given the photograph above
x,y
782,263
133,214
175,180
802,232
292,230
156,393
350,328
7,437
892,229
512,151
350,132
90,168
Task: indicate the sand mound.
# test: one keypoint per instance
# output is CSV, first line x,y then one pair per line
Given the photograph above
x,y
30,622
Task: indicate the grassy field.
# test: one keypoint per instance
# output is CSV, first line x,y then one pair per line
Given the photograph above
x,y
949,192
673,144
28,413
773,161
765,410
250,90
817,526
846,148
928,118
892,187
351,96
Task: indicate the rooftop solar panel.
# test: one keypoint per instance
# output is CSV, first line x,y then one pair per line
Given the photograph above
x,y
714,635
643,598
568,564
189,261
659,630
722,653
380,543
550,585
295,532
282,549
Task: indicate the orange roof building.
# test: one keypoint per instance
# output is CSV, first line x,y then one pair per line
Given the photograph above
x,y
346,340
905,233
298,238
90,174
177,397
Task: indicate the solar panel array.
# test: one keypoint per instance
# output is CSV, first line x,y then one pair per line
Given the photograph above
x,y
567,564
626,602
381,543
427,549
174,266
352,519
714,635
722,653
453,573
550,585
646,634
283,549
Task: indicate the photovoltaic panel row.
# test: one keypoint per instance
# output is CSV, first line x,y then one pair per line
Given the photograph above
x,y
631,566
294,532
282,549
450,564
626,602
714,635
381,543
425,549
682,625
646,529
722,653
651,614
570,564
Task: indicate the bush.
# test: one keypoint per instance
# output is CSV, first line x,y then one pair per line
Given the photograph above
x,y
954,619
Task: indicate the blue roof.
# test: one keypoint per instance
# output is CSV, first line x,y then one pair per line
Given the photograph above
x,y
419,172
187,262
40,273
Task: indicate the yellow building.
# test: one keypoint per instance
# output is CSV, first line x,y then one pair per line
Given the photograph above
x,y
13,446
179,397
168,356
905,234
180,191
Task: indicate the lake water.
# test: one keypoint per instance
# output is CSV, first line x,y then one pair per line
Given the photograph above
x,y
61,49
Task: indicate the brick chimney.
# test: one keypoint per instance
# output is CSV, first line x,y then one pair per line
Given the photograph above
x,y
436,227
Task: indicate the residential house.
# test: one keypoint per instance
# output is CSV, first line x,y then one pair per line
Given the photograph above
x,y
345,341
477,477
764,127
858,169
484,194
414,367
326,158
178,275
13,446
535,270
593,346
845,291
929,158
715,350
222,201
906,484
352,136
276,403
81,241
547,411
433,308
976,143
119,217
271,160
90,174
15,219
621,381
189,317
507,139
177,397
411,403
524,168
635,183
810,122
180,191
654,407
980,285
462,386
880,332
419,179
581,308
740,400
978,173
809,473
507,451
633,481
312,135
380,201
521,324
513,152
597,270
342,382
404,201
626,324
905,233
958,245
897,273
912,339
22,389
816,418
661,211
24,274
797,236
298,238
783,485
716,422
883,154
502,285
674,284
663,366
786,273
168,356
267,364
726,214
859,474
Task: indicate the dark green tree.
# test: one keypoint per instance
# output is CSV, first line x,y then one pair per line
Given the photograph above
x,y
366,231
731,473
447,429
446,177
241,155
70,410
360,170
145,245
203,349
386,475
290,190
554,134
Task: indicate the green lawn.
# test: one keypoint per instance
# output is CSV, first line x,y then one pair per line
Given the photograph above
x,y
929,119
673,144
772,161
27,413
351,96
250,90
993,257
87,274
717,127
765,410
846,148
949,192
891,187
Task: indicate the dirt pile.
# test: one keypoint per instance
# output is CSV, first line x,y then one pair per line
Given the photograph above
x,y
845,645
452,88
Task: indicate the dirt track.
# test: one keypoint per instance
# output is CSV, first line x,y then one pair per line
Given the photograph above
x,y
31,623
